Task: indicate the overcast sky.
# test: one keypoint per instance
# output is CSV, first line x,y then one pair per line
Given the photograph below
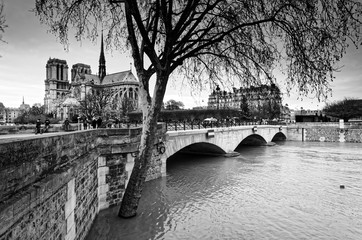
x,y
29,46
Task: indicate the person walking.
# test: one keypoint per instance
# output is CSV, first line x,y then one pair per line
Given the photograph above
x,y
99,122
85,123
66,125
47,125
94,123
38,127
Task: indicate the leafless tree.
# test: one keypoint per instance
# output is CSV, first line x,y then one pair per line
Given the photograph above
x,y
211,41
97,103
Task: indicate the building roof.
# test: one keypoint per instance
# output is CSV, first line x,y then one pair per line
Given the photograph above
x,y
125,77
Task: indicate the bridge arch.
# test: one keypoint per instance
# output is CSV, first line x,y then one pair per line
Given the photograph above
x,y
280,136
253,140
201,148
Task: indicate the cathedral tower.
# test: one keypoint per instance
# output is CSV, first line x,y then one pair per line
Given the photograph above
x,y
56,83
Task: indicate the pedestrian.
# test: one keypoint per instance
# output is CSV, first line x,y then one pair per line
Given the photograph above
x,y
47,124
99,122
117,122
85,124
38,127
94,123
66,124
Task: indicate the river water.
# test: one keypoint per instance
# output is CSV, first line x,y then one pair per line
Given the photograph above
x,y
288,191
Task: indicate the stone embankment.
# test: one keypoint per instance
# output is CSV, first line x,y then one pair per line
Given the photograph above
x,y
52,187
325,132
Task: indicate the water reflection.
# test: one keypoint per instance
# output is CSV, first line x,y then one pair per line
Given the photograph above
x,y
289,191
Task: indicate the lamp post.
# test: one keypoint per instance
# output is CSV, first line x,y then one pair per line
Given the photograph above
x,y
217,96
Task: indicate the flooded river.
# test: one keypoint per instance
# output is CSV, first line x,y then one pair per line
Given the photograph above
x,y
288,191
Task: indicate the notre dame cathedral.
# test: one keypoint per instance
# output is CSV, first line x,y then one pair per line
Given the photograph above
x,y
62,98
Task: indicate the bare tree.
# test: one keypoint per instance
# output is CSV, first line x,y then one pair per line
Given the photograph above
x,y
211,41
97,103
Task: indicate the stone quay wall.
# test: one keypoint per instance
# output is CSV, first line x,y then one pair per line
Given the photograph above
x,y
52,187
333,135
324,134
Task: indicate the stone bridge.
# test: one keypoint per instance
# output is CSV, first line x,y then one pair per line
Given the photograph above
x,y
221,140
52,186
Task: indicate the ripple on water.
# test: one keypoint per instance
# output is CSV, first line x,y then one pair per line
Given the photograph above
x,y
282,192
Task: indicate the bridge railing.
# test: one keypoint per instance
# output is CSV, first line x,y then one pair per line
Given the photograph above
x,y
192,125
185,125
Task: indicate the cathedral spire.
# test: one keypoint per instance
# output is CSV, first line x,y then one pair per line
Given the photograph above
x,y
102,62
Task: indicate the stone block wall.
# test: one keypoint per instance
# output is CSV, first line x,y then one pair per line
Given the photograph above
x,y
52,187
322,135
333,135
353,135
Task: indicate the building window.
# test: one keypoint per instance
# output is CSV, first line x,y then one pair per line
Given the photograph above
x,y
61,72
57,72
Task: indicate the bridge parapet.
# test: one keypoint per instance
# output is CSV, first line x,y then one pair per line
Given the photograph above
x,y
52,186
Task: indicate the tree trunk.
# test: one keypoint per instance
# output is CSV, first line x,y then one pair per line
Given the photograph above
x,y
150,111
136,182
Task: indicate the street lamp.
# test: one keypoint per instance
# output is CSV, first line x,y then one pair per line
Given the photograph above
x,y
217,96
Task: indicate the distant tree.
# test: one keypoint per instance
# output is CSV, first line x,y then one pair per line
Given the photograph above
x,y
173,105
36,109
97,102
211,41
345,109
2,112
30,115
273,109
244,106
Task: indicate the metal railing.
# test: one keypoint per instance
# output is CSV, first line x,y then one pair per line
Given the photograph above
x,y
193,125
183,126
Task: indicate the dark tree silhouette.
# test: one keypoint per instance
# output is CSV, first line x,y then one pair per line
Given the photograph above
x,y
346,109
244,106
211,41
